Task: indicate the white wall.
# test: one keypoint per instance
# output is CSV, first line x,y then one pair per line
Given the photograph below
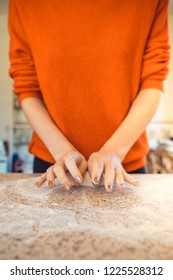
x,y
5,81
165,110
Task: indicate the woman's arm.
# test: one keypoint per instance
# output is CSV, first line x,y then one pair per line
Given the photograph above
x,y
27,88
153,72
44,126
65,154
111,155
140,114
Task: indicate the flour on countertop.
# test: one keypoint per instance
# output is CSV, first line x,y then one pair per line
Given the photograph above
x,y
137,219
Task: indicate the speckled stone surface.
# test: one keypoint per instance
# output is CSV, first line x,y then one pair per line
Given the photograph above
x,y
86,222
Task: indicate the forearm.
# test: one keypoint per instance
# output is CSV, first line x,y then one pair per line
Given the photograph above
x,y
44,126
140,114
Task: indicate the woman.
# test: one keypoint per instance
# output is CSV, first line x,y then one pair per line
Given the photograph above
x,y
89,76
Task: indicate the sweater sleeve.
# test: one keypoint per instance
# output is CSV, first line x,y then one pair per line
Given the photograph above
x,y
22,68
156,53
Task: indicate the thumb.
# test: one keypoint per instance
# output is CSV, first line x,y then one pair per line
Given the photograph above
x,y
83,166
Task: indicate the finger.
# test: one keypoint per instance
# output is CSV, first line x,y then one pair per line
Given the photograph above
x,y
130,179
41,180
82,169
109,176
74,182
97,171
83,166
50,177
61,175
119,179
70,163
93,158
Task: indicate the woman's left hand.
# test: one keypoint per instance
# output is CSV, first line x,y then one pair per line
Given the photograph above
x,y
108,163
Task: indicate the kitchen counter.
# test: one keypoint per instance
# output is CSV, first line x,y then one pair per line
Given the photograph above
x,y
86,222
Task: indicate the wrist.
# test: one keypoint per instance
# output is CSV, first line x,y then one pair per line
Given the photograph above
x,y
62,150
117,150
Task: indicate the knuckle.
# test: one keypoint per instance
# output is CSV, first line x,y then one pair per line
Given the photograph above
x,y
116,172
109,163
72,154
43,176
110,167
93,156
68,160
60,177
57,165
55,168
50,169
96,165
79,154
59,162
72,157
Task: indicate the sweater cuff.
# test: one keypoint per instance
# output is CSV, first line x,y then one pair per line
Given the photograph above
x,y
22,96
158,84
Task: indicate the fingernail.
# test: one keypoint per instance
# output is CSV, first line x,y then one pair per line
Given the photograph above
x,y
79,179
67,186
75,182
121,186
37,184
108,188
50,183
95,180
136,183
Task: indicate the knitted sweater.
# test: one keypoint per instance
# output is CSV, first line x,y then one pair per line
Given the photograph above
x,y
88,60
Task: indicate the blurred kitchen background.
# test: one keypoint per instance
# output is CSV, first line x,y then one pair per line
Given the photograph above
x,y
15,132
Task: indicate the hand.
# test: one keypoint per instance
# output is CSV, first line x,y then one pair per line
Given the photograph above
x,y
107,162
71,161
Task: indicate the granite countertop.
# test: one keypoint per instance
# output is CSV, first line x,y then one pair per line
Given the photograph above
x,y
86,222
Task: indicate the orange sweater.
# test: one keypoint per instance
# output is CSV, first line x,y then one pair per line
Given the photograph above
x,y
88,60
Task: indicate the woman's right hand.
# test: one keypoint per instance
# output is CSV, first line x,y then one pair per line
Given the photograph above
x,y
72,162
